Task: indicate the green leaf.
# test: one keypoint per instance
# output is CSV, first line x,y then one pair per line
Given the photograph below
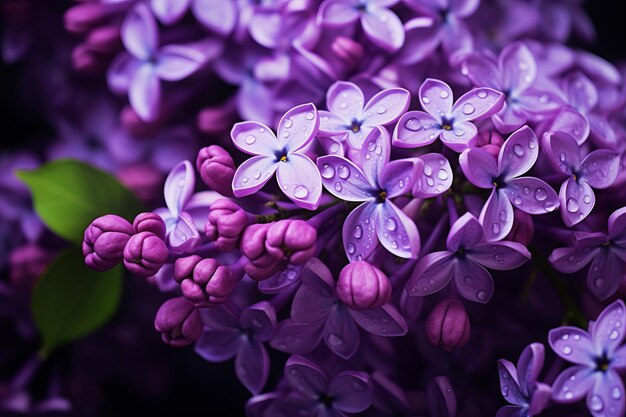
x,y
70,300
69,194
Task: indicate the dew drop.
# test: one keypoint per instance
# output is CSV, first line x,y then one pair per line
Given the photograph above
x,y
614,335
288,123
343,105
301,191
257,175
572,205
526,190
426,100
565,337
531,144
482,94
495,228
518,150
567,350
616,393
334,340
413,124
250,139
517,200
381,110
444,94
244,180
334,148
569,395
459,132
338,186
430,181
286,134
562,156
544,98
502,218
482,295
587,199
328,171
351,248
309,116
343,172
391,224
442,175
468,109
357,232
541,194
596,403
428,170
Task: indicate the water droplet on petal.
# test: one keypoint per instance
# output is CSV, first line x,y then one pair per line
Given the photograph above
x,y
587,199
343,105
562,156
288,123
541,194
334,148
531,144
250,139
391,224
517,200
614,335
244,180
444,94
426,100
567,350
334,340
430,181
257,175
569,395
495,228
482,295
565,337
442,175
413,124
357,232
351,248
468,109
309,116
572,205
301,191
343,172
482,94
338,186
328,171
459,132
599,283
428,170
381,110
544,98
518,150
526,190
616,393
596,403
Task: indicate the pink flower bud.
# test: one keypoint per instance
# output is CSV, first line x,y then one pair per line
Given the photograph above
x,y
144,254
362,286
104,241
179,322
490,141
261,264
523,228
291,240
217,169
204,282
226,223
149,222
448,325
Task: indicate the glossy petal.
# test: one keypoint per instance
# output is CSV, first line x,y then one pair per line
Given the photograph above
x,y
359,231
473,282
397,232
298,127
573,345
179,187
519,153
254,138
531,195
384,29
462,136
600,168
563,151
422,37
432,272
571,122
605,275
337,13
540,103
581,92
386,107
567,390
184,238
331,124
176,62
602,132
343,179
479,167
375,154
398,176
617,224
260,320
300,180
435,177
291,337
315,299
144,93
509,384
478,104
305,377
341,334
436,97
381,321
519,67
253,174
501,256
529,366
139,32
570,260
216,15
252,366
607,333
511,117
497,216
482,71
351,391
577,201
607,394
219,346
345,99
169,11
415,129
465,233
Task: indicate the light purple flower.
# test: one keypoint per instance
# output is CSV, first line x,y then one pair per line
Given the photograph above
x,y
217,15
381,26
316,313
532,195
350,118
519,385
450,122
377,219
606,253
297,176
229,333
598,169
598,357
140,70
514,74
464,262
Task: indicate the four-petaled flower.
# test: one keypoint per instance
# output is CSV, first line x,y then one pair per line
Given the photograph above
x,y
445,119
464,262
532,195
599,169
377,219
297,176
219,16
599,357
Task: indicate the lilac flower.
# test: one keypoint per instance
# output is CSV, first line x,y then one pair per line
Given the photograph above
x,y
532,195
514,74
452,123
605,252
377,218
381,26
598,357
140,70
229,333
216,15
352,119
598,169
519,385
297,175
464,261
316,313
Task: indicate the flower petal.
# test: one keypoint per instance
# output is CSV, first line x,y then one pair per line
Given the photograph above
x,y
341,334
607,394
573,345
315,299
384,29
465,233
436,97
432,272
253,174
563,151
571,122
331,124
519,153
422,37
399,176
300,180
570,260
169,11
482,71
386,107
577,201
397,232
337,13
457,41
291,337
179,187
343,179
139,32
252,366
496,216
580,91
298,127
144,93
351,391
177,62
479,167
608,329
478,104
519,67
605,274
184,238
602,132
255,139
345,100
529,366
359,237
121,72
219,346
572,384
435,178
305,377
473,282
281,280
415,129
600,168
511,117
375,154
260,320
509,384
531,195
462,136
617,224
538,104
382,321
218,16
502,256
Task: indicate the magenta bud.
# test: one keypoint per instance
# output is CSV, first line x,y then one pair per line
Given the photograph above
x,y
179,322
215,120
362,286
291,240
204,282
104,241
226,223
523,228
143,180
490,141
85,61
27,263
448,325
149,222
261,264
104,39
217,169
348,51
144,254
83,17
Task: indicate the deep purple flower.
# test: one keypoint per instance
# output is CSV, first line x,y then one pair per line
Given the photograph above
x,y
217,169
261,265
598,169
350,118
362,286
230,333
226,223
297,176
381,26
435,177
514,74
606,252
519,385
144,254
598,357
291,241
104,241
317,313
532,195
448,325
445,119
464,262
377,218
178,321
204,282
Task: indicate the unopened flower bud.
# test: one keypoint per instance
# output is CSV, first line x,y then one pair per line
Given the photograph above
x,y
82,17
348,51
104,39
149,222
523,228
144,254
27,263
261,264
86,61
104,242
179,322
490,141
226,223
447,324
362,286
217,169
204,282
291,240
